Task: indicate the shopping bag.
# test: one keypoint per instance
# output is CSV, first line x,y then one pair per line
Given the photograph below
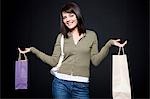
x,y
21,73
121,88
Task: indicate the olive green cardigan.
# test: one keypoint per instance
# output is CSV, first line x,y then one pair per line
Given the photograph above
x,y
77,56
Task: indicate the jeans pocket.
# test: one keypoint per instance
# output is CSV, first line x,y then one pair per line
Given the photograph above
x,y
81,85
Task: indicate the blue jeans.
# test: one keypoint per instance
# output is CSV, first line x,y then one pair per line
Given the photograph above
x,y
62,89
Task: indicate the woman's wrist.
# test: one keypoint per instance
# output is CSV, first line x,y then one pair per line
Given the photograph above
x,y
109,43
32,49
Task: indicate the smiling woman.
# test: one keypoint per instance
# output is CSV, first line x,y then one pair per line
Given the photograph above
x,y
70,20
70,13
80,47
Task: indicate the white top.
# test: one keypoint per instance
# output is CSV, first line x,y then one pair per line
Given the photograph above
x,y
71,77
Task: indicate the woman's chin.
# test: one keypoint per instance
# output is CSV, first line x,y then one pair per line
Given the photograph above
x,y
71,28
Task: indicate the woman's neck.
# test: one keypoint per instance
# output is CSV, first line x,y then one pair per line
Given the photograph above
x,y
75,31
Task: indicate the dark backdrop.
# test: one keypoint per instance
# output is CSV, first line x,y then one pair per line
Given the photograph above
x,y
28,23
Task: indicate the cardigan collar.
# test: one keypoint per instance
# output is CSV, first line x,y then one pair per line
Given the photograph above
x,y
70,35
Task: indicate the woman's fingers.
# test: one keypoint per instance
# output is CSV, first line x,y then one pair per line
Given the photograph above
x,y
25,51
123,44
117,43
19,50
118,40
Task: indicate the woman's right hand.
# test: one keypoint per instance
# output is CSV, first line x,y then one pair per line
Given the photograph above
x,y
25,51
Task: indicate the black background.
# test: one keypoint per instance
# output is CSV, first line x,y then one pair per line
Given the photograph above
x,y
28,23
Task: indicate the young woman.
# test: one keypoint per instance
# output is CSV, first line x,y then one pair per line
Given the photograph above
x,y
80,47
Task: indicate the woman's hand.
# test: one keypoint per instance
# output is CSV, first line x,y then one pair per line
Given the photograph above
x,y
117,43
25,51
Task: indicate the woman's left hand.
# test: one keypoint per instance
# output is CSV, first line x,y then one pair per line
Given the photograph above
x,y
117,43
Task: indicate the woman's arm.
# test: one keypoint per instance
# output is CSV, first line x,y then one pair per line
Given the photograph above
x,y
97,57
51,60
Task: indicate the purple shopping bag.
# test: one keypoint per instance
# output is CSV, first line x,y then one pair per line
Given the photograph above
x,y
21,73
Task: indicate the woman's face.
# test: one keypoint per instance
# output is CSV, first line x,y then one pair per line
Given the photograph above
x,y
70,20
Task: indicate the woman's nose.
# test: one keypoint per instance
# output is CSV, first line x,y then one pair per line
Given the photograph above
x,y
67,19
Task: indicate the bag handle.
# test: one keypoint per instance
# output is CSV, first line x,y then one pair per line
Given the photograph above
x,y
19,57
120,50
62,45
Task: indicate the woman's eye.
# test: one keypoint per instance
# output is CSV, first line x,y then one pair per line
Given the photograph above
x,y
64,17
71,15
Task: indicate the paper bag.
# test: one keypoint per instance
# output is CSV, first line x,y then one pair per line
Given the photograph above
x,y
121,88
21,73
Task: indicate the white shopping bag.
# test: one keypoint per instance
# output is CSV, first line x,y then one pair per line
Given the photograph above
x,y
121,88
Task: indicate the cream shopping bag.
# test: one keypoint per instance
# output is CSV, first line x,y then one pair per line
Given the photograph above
x,y
121,88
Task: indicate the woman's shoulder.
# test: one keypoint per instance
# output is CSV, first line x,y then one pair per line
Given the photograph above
x,y
58,36
91,32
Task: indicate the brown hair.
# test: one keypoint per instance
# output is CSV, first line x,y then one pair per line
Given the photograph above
x,y
71,7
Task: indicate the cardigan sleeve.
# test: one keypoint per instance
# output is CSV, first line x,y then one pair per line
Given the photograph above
x,y
54,58
98,56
